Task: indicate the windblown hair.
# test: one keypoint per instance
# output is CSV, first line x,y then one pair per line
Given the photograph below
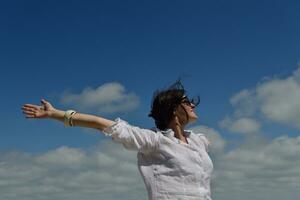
x,y
164,103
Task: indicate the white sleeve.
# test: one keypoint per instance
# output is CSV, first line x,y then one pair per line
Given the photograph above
x,y
132,137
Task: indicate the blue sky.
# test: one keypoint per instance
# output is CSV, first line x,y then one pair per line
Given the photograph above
x,y
218,48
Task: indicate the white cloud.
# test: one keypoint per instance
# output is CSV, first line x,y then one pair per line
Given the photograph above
x,y
241,96
276,99
105,172
280,100
257,169
107,98
217,142
244,103
63,156
262,170
241,125
296,74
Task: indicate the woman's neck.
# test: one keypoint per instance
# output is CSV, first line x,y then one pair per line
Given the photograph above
x,y
179,132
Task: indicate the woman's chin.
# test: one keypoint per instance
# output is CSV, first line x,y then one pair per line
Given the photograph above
x,y
193,118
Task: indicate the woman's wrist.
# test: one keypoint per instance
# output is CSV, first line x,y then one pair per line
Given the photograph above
x,y
56,114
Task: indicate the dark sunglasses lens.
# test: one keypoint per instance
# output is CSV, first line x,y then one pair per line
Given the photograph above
x,y
195,101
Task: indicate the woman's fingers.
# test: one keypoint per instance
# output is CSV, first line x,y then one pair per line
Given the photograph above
x,y
31,106
28,112
43,101
29,109
34,111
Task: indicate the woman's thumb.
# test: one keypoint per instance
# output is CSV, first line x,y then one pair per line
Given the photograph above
x,y
44,101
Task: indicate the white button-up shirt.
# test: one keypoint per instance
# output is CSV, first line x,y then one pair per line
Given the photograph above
x,y
171,169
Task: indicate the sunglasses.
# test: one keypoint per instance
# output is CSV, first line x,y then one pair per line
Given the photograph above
x,y
185,100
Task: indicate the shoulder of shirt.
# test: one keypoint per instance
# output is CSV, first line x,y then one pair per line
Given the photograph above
x,y
195,132
188,132
156,130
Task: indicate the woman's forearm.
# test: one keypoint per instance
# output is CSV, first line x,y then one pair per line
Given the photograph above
x,y
83,120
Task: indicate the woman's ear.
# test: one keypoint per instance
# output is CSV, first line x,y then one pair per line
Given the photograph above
x,y
175,113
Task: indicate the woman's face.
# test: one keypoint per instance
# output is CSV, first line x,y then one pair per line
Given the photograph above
x,y
185,111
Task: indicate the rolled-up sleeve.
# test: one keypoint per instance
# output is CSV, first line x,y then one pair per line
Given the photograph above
x,y
132,137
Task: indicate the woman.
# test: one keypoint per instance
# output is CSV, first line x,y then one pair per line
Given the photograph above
x,y
173,162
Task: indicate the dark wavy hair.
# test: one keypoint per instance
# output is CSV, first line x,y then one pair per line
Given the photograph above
x,y
165,101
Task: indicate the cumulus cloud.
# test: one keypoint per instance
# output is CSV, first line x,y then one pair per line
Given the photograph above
x,y
276,99
280,100
108,98
217,142
258,169
296,74
103,172
244,102
262,170
241,125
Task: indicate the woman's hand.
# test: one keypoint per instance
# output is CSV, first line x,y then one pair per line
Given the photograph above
x,y
39,112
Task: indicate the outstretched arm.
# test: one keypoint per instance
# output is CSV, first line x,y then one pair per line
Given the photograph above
x,y
131,137
47,111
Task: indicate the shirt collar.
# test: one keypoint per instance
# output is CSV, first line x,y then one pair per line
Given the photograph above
x,y
170,132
